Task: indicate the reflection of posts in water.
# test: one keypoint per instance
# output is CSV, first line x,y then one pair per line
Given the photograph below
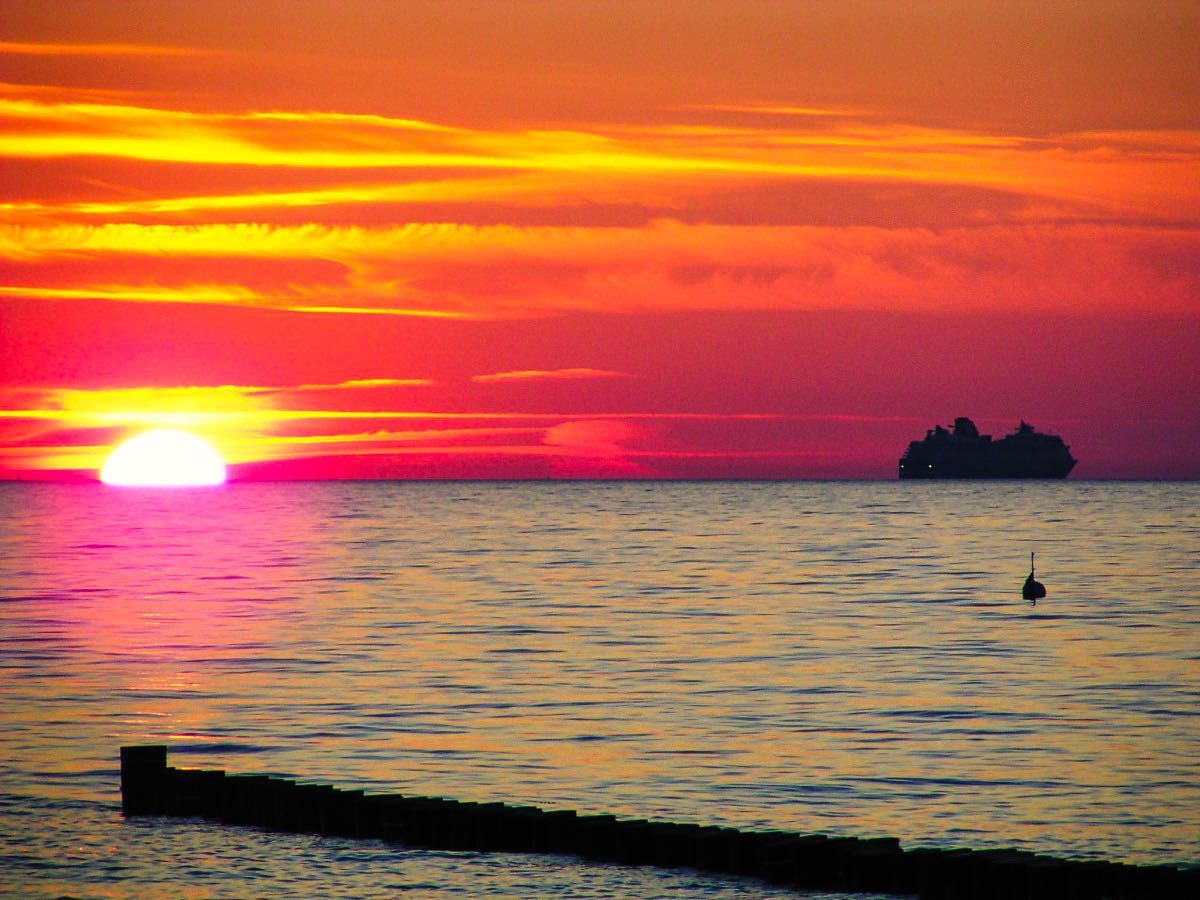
x,y
802,861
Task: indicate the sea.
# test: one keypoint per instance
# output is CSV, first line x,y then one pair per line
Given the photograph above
x,y
846,658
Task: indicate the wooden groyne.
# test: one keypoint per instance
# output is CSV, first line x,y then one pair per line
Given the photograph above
x,y
149,787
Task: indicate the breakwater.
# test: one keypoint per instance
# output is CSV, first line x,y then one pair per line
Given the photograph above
x,y
149,787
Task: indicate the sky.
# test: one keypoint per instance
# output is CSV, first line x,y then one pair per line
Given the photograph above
x,y
577,239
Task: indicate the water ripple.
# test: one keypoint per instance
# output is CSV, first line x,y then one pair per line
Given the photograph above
x,y
850,658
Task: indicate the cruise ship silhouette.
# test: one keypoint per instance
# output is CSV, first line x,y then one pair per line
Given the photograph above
x,y
962,452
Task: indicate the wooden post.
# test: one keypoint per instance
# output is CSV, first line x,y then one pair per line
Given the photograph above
x,y
143,771
802,861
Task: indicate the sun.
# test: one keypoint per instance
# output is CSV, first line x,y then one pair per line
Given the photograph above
x,y
164,457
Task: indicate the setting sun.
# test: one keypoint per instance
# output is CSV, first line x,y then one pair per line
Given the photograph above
x,y
164,457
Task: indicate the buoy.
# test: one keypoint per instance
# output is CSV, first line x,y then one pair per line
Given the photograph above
x,y
1032,589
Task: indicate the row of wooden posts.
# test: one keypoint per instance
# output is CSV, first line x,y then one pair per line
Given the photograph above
x,y
149,787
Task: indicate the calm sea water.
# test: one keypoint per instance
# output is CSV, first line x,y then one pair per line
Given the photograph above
x,y
850,658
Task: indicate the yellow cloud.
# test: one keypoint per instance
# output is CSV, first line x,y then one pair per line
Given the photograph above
x,y
1129,173
179,406
508,189
367,383
379,311
235,294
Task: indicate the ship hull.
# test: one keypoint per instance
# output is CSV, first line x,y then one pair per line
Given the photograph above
x,y
911,471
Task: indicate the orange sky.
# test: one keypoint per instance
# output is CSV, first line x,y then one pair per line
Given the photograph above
x,y
598,239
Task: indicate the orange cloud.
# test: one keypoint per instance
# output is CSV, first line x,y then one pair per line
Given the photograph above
x,y
508,271
46,49
778,109
60,93
548,375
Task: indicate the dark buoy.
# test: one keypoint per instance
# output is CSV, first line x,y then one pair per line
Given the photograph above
x,y
1032,589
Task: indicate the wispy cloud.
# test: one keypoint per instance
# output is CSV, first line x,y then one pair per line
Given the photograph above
x,y
779,109
55,49
378,311
49,429
1133,172
57,93
232,294
189,404
548,375
508,271
355,383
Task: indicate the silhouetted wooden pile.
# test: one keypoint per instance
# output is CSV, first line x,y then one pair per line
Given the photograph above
x,y
149,787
